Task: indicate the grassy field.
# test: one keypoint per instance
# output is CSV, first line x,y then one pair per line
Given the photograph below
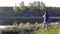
x,y
54,28
49,30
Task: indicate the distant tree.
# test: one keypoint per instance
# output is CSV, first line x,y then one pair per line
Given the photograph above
x,y
15,8
36,4
42,6
30,5
16,12
21,5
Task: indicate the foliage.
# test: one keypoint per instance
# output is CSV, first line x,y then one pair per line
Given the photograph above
x,y
35,29
21,5
42,6
15,8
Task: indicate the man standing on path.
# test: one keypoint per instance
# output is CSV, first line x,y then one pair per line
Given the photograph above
x,y
46,18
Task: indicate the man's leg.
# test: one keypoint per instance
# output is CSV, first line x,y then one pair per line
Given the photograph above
x,y
43,24
46,24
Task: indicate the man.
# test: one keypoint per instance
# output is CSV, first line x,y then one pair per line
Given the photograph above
x,y
46,18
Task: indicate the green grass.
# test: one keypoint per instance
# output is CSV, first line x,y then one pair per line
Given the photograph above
x,y
49,30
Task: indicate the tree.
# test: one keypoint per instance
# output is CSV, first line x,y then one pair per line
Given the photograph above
x,y
30,5
15,8
21,5
42,6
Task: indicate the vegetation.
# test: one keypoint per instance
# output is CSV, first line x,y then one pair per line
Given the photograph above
x,y
15,23
21,5
49,30
34,29
15,8
42,6
39,5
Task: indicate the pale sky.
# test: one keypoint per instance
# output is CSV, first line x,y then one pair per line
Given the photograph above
x,y
49,3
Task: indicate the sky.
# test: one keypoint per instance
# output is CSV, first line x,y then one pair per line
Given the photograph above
x,y
49,3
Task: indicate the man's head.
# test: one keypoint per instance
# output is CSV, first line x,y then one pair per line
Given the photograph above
x,y
45,12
